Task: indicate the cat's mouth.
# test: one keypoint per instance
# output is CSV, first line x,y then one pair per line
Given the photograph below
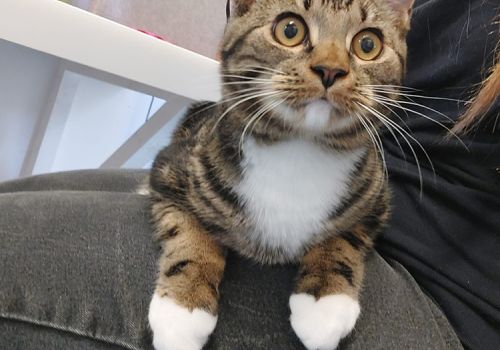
x,y
323,107
322,115
324,101
317,115
320,108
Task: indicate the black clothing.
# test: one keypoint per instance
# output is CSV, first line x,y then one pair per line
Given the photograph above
x,y
449,237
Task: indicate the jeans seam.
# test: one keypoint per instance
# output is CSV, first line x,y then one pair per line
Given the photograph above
x,y
106,339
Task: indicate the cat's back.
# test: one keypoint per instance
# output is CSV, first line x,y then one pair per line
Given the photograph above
x,y
199,117
188,134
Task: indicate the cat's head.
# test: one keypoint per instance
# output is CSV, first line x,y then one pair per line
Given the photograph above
x,y
317,64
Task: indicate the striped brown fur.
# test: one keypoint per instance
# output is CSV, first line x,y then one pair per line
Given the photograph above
x,y
196,209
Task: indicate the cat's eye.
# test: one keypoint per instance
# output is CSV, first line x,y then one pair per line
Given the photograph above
x,y
290,30
367,44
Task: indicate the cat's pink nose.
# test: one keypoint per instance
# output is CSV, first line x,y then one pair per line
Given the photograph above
x,y
328,75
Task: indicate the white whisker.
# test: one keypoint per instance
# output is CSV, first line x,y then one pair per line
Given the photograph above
x,y
257,115
245,79
376,144
369,95
233,96
413,103
256,68
408,95
233,106
397,105
247,82
403,132
388,86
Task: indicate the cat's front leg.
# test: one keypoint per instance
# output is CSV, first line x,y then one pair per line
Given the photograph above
x,y
183,310
325,306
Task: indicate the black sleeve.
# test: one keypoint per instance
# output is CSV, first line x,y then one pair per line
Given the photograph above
x,y
448,234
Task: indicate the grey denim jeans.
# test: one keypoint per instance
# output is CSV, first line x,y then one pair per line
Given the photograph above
x,y
77,269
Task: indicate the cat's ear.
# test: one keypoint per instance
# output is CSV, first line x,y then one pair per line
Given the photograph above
x,y
239,7
403,8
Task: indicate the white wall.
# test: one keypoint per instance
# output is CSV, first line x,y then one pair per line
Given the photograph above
x,y
25,80
102,117
196,25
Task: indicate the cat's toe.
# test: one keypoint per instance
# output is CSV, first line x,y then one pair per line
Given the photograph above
x,y
176,328
321,324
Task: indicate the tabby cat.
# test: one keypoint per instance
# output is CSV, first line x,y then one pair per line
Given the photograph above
x,y
285,168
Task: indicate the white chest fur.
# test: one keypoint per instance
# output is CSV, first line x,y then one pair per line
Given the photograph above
x,y
289,190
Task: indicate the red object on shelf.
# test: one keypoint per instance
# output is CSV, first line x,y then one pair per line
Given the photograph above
x,y
153,35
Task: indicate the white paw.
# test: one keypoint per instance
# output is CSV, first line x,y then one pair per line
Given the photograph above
x,y
320,324
176,328
143,190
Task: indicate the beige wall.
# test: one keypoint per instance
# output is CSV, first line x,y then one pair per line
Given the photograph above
x,y
196,25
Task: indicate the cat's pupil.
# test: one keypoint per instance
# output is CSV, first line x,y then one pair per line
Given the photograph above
x,y
291,30
367,45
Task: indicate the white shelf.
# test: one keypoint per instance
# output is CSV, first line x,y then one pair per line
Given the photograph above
x,y
65,46
64,31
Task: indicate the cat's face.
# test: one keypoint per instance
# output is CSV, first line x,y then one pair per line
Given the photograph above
x,y
314,63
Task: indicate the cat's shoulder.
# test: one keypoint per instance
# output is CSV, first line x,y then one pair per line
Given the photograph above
x,y
187,134
196,117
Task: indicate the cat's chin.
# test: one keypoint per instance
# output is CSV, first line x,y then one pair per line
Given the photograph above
x,y
317,117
